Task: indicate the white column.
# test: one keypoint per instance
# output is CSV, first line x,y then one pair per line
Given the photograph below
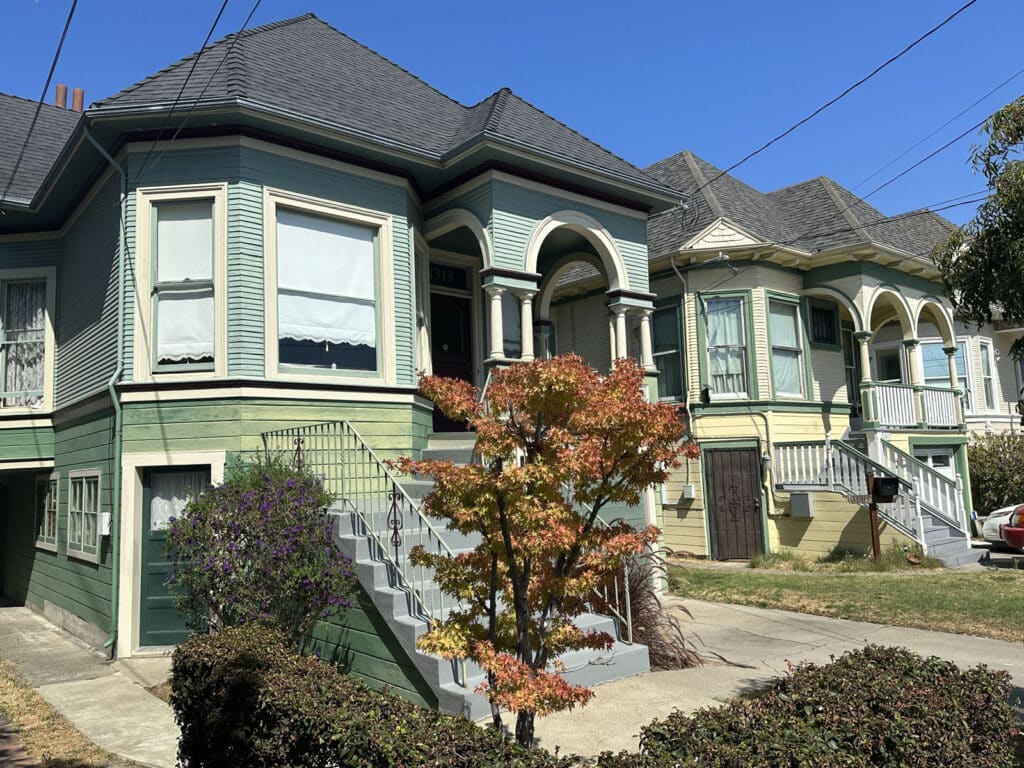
x,y
621,342
865,355
495,292
913,347
611,338
526,324
954,376
646,348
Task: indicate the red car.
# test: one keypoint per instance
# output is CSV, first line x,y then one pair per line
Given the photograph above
x,y
1013,531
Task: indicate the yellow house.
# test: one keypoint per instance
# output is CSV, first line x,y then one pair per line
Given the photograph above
x,y
809,339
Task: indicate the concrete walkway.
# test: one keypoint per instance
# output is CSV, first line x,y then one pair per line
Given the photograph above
x,y
105,701
762,641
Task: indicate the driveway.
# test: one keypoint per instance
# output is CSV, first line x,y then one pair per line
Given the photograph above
x,y
746,647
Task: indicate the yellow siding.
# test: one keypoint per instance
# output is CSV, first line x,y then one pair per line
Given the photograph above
x,y
683,526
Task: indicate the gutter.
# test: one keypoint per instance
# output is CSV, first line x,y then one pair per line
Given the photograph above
x,y
115,499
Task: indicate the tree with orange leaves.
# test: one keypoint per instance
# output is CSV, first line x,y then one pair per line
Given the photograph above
x,y
560,443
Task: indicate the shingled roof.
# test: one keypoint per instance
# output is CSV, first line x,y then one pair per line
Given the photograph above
x,y
813,215
48,138
309,68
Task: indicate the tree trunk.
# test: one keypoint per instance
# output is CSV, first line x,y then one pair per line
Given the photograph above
x,y
524,728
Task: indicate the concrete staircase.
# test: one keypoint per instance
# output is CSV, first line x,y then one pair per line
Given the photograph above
x,y
404,613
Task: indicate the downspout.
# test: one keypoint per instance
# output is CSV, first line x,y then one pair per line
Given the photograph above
x,y
115,499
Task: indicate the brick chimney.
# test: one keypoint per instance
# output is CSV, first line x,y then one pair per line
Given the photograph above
x,y
77,99
61,99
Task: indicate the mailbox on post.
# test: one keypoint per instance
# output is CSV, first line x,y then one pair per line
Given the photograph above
x,y
885,489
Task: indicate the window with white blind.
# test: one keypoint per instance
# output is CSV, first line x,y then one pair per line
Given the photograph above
x,y
787,349
726,347
329,305
183,285
83,515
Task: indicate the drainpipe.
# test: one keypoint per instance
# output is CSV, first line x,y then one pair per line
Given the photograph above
x,y
115,499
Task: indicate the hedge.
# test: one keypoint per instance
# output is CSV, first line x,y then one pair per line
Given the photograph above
x,y
872,707
245,697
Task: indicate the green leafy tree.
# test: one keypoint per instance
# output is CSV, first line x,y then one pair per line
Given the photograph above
x,y
997,471
982,264
258,549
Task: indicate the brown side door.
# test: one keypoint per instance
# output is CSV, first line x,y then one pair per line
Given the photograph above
x,y
733,478
451,346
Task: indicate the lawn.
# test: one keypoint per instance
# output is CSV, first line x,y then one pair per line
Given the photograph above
x,y
985,604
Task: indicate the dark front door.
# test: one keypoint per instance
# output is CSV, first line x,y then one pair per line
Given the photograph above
x,y
734,502
451,346
165,493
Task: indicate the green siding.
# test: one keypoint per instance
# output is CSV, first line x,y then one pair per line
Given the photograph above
x,y
245,280
517,211
359,642
479,201
35,253
86,328
26,444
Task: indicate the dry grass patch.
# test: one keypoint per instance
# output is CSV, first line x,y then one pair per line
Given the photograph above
x,y
44,733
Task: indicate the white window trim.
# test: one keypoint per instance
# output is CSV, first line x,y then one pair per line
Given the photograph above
x,y
904,362
799,349
990,376
145,199
747,373
43,543
49,274
387,365
970,397
81,554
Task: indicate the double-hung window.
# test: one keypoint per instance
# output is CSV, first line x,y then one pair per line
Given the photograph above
x,y
668,352
936,367
46,512
787,348
329,305
23,342
726,347
183,285
987,381
83,515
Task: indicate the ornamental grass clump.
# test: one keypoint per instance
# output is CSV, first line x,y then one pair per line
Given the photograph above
x,y
258,549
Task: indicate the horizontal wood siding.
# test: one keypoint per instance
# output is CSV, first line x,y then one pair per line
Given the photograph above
x,y
360,643
26,444
683,520
517,211
581,326
86,329
479,201
836,525
32,253
245,280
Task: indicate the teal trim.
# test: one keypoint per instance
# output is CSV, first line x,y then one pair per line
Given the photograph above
x,y
746,297
824,276
805,352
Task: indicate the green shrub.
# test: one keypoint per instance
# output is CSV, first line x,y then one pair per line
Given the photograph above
x,y
259,548
244,697
997,471
872,707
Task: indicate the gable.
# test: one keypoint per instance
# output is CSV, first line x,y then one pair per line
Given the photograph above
x,y
721,233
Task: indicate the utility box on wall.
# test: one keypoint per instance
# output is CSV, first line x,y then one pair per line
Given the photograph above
x,y
801,505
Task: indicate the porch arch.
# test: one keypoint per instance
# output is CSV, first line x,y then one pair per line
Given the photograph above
x,y
555,273
592,232
840,298
451,220
931,310
885,294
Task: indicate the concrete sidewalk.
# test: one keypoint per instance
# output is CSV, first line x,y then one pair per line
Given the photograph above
x,y
105,701
762,641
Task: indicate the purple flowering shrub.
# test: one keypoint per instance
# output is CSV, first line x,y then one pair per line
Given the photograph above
x,y
258,549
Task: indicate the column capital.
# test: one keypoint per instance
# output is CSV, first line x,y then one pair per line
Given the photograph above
x,y
493,289
525,294
910,343
950,351
863,335
619,310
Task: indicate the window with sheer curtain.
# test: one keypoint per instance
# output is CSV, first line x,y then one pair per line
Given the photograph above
x,y
46,512
83,516
326,292
183,300
787,349
22,342
726,346
170,492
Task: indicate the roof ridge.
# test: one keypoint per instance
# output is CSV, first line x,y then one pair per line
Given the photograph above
x,y
703,186
384,58
33,102
844,210
795,184
497,108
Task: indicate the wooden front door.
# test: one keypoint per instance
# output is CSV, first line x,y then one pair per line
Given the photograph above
x,y
451,346
734,502
165,493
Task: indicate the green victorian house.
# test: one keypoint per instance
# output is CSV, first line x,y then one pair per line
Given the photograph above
x,y
269,268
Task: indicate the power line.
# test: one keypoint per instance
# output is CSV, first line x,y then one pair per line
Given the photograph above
x,y
195,103
39,104
953,119
848,90
181,91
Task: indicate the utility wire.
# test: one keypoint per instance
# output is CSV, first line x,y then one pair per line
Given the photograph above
x,y
195,103
848,90
181,91
953,119
39,105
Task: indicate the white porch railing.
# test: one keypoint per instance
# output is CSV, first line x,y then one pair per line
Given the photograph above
x,y
940,407
895,405
906,406
942,496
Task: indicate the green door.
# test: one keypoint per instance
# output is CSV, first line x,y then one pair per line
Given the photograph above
x,y
165,493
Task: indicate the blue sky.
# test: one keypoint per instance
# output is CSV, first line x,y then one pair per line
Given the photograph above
x,y
645,79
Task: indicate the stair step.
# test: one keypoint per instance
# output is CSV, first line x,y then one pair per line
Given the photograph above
x,y
454,455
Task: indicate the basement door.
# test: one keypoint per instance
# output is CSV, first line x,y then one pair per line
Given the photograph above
x,y
735,523
164,495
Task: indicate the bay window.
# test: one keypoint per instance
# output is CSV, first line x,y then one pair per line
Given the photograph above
x,y
787,349
726,347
